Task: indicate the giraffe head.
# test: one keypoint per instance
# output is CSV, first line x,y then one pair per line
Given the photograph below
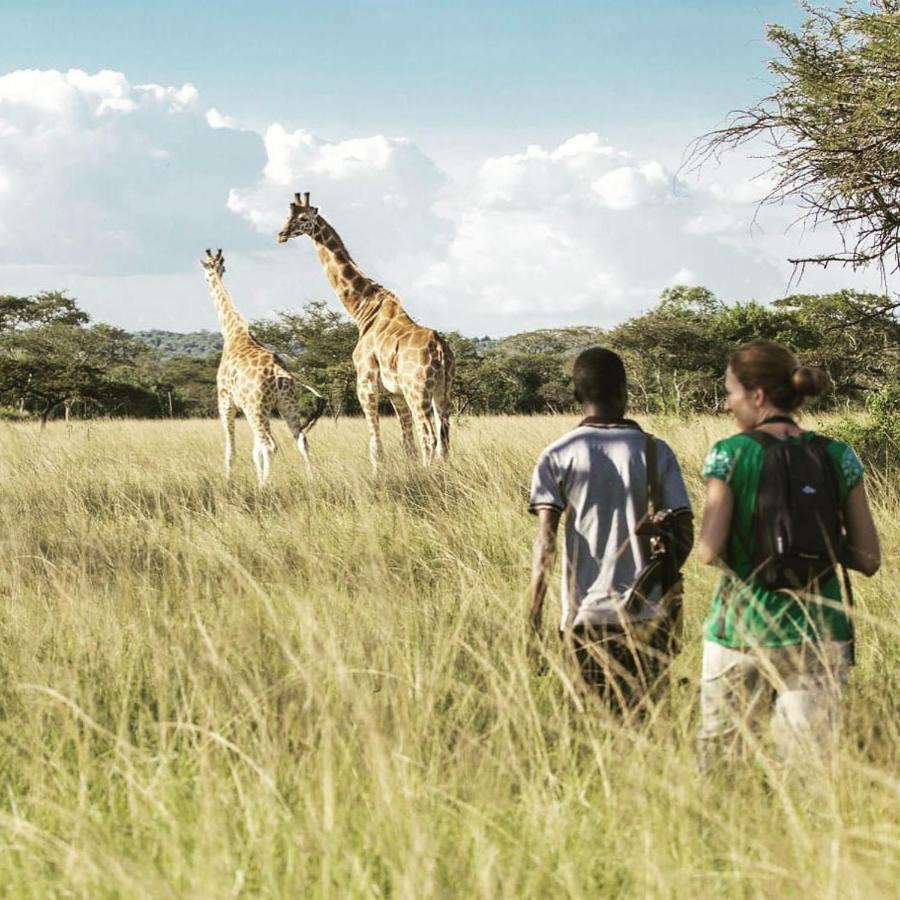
x,y
214,264
302,219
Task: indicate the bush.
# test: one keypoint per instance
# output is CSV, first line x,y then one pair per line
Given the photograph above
x,y
12,414
877,437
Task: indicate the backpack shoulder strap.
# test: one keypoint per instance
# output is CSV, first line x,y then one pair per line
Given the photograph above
x,y
819,443
654,495
763,438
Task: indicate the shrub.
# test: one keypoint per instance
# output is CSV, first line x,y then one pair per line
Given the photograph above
x,y
877,437
13,414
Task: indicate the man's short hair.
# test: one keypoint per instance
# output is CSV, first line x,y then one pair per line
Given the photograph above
x,y
599,377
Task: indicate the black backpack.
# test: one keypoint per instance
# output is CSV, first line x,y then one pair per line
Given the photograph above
x,y
798,523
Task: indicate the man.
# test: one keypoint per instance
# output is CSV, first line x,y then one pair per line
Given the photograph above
x,y
615,614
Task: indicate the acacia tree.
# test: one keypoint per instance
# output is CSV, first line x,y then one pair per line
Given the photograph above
x,y
319,344
854,336
833,128
60,362
47,308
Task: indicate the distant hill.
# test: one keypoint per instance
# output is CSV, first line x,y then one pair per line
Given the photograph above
x,y
176,343
544,340
550,340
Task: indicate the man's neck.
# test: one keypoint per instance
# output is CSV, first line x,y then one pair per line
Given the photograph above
x,y
599,417
598,413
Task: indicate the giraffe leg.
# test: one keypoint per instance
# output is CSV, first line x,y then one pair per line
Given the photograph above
x,y
406,424
441,406
421,413
367,391
290,412
227,412
263,444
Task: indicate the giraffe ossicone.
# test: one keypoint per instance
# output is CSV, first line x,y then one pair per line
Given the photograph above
x,y
253,380
413,363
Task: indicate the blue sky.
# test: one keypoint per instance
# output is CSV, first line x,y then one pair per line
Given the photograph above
x,y
483,69
412,123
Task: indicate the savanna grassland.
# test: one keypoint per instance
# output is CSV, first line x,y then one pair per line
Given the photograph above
x,y
323,689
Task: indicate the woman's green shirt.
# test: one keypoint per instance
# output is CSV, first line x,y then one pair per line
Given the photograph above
x,y
743,614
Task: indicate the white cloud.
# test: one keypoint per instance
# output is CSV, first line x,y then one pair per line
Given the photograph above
x,y
743,190
714,221
215,119
379,192
68,94
683,276
584,232
548,176
108,178
113,189
631,186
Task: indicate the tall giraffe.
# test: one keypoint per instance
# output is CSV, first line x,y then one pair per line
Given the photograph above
x,y
413,363
252,378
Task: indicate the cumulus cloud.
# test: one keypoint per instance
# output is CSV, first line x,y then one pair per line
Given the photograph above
x,y
112,189
353,178
215,119
583,232
629,187
522,179
683,277
379,192
105,177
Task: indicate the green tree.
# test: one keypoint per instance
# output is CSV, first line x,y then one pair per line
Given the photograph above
x,y
317,346
173,343
45,366
833,128
527,384
182,385
681,300
673,357
468,390
550,340
46,308
855,336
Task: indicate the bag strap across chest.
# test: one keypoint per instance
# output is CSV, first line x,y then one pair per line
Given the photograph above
x,y
653,489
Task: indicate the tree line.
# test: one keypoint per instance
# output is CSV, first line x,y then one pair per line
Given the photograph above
x,y
55,362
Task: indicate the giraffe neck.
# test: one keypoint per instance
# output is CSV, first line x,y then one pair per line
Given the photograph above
x,y
360,295
231,322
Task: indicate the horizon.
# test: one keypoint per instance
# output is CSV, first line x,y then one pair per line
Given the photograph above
x,y
215,331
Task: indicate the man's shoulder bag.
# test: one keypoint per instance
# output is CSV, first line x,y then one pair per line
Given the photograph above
x,y
660,571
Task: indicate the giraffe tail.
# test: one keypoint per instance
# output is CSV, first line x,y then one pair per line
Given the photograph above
x,y
317,412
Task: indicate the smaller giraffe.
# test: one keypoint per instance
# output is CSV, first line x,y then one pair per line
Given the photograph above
x,y
253,379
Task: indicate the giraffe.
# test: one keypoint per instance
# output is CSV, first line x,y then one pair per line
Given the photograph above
x,y
414,364
253,379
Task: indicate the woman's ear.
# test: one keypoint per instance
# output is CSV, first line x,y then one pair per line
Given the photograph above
x,y
759,398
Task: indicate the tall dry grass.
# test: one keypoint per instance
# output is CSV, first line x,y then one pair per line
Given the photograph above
x,y
323,690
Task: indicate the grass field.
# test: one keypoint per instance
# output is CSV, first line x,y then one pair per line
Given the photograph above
x,y
323,690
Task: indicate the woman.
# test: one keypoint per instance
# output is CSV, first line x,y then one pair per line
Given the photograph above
x,y
782,653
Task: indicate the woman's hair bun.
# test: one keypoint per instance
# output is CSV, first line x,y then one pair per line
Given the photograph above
x,y
773,367
810,381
